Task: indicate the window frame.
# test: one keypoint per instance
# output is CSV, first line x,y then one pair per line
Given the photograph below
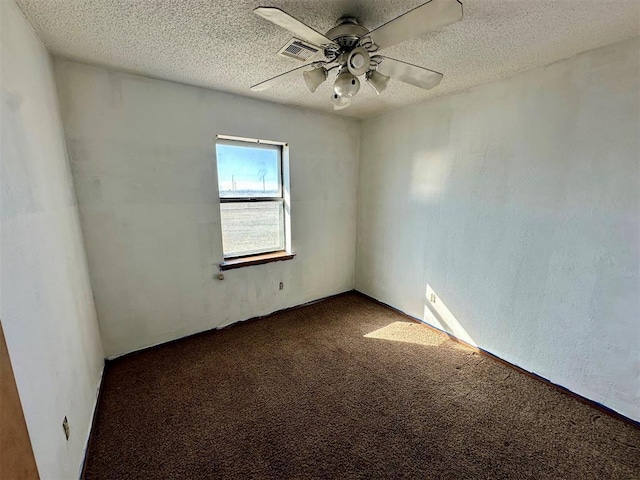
x,y
261,256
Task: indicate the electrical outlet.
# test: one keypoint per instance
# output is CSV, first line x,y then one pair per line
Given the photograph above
x,y
432,298
281,286
65,427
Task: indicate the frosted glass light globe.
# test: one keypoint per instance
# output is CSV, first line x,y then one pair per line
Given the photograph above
x,y
347,85
339,102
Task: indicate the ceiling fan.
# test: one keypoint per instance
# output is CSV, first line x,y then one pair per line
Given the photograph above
x,y
352,50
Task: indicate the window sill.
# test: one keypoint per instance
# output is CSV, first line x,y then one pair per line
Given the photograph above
x,y
256,260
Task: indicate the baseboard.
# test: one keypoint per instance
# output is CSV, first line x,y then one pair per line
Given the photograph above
x,y
480,350
96,403
221,327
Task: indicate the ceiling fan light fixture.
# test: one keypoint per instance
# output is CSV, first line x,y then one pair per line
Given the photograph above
x,y
347,84
358,61
350,47
377,81
314,78
340,102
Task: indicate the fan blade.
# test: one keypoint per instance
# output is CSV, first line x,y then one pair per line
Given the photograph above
x,y
405,72
299,29
285,76
429,16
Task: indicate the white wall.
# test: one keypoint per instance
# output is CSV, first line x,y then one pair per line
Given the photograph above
x,y
46,307
518,204
142,155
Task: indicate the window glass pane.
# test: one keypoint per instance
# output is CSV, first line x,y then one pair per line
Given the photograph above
x,y
251,227
248,171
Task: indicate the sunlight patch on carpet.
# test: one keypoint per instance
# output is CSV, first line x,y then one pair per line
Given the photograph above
x,y
407,332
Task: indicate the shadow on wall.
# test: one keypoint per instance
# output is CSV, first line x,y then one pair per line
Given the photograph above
x,y
430,172
437,314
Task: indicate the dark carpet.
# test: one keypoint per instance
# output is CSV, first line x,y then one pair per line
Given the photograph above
x,y
344,389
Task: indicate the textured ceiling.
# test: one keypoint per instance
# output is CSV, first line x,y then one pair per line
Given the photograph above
x,y
221,44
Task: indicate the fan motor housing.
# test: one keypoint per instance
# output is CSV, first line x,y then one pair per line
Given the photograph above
x,y
347,33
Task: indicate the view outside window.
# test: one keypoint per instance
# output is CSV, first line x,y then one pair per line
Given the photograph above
x,y
251,200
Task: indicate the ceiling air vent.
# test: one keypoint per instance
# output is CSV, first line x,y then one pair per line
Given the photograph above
x,y
299,50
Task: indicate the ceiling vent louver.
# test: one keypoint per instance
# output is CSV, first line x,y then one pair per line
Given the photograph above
x,y
302,51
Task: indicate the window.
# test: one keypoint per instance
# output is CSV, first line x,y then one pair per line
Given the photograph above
x,y
253,189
